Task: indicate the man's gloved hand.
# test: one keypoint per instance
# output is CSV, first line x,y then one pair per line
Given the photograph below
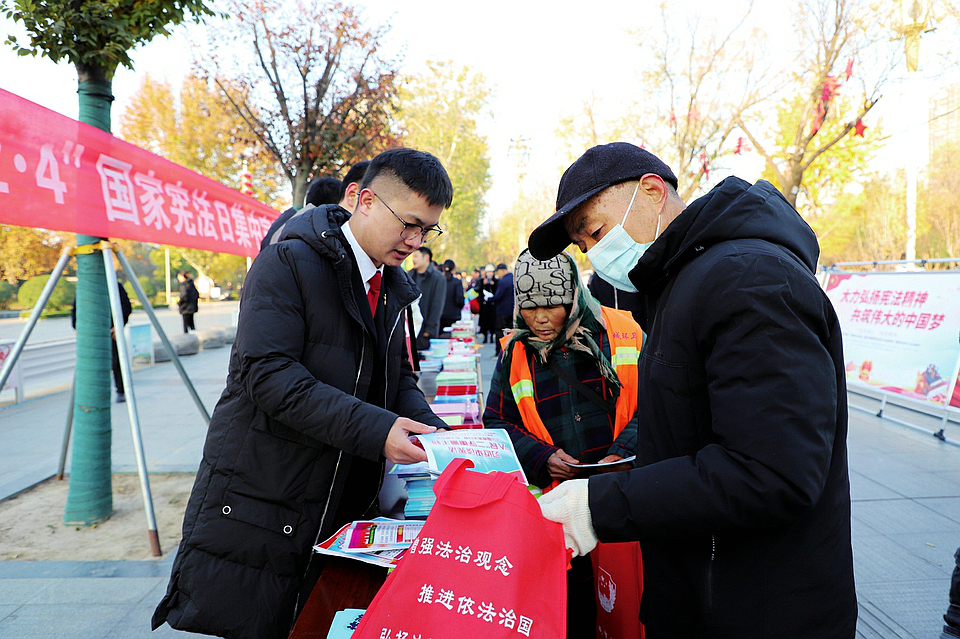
x,y
567,504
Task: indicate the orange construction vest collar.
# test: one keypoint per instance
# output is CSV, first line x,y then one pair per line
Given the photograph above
x,y
626,340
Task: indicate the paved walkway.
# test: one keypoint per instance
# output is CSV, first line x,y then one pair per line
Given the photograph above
x,y
906,514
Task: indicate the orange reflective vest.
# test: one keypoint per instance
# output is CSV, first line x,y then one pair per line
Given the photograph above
x,y
626,340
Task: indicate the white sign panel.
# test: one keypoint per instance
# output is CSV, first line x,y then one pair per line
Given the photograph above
x,y
901,331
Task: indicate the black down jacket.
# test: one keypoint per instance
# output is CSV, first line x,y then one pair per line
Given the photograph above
x,y
742,500
301,406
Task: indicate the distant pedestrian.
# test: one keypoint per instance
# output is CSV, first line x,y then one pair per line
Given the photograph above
x,y
453,300
503,302
487,318
612,297
125,309
189,300
432,292
323,190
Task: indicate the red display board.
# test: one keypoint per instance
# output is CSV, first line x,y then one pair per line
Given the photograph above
x,y
63,175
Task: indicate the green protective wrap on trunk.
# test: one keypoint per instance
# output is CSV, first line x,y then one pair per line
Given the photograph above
x,y
90,496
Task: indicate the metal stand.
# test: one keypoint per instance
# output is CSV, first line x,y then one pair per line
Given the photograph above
x,y
109,251
66,434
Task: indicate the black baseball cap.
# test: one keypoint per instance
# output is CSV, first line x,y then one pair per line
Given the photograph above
x,y
598,168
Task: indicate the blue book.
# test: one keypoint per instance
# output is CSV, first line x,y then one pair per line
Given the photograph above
x,y
344,623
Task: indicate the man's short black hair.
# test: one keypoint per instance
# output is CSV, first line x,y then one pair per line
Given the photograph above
x,y
426,251
355,174
421,172
323,190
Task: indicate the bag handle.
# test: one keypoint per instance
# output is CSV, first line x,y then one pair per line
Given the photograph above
x,y
492,487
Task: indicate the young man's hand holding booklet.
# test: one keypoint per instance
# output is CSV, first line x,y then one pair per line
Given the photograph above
x,y
490,449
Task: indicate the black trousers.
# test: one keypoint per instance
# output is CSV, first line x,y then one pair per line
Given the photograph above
x,y
188,323
117,374
952,627
581,600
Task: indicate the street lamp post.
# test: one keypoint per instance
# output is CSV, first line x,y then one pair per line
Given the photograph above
x,y
913,23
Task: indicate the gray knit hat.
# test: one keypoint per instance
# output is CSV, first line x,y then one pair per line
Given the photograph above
x,y
543,283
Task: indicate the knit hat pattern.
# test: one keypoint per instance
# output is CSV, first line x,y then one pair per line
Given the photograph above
x,y
539,283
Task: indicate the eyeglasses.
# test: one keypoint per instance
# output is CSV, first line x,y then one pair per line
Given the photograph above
x,y
411,231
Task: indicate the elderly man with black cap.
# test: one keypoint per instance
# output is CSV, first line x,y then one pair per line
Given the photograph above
x,y
741,498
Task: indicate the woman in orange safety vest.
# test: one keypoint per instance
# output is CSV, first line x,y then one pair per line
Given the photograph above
x,y
565,390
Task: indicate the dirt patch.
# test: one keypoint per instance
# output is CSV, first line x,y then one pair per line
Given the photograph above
x,y
32,528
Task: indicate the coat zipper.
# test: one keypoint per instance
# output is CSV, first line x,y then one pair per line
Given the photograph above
x,y
333,483
713,554
326,507
386,377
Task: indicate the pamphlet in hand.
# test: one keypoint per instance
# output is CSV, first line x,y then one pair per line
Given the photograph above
x,y
490,449
616,462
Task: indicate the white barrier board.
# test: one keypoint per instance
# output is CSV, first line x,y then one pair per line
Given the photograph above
x,y
901,332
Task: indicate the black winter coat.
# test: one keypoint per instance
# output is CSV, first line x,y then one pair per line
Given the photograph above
x,y
302,407
189,297
742,503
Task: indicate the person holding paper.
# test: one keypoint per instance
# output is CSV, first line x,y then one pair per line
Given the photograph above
x,y
741,495
319,393
566,392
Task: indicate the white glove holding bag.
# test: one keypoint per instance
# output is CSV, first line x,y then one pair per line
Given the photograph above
x,y
568,504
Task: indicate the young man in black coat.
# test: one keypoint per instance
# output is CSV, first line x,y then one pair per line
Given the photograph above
x,y
741,498
319,395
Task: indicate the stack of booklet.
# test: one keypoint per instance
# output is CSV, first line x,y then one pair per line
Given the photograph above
x,y
463,330
381,541
453,386
457,398
419,487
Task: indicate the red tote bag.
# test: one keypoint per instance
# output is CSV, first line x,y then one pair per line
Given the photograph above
x,y
486,564
618,577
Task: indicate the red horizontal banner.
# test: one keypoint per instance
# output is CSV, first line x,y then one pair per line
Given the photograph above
x,y
63,175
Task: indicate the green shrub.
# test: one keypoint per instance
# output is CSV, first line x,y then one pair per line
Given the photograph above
x,y
148,285
62,296
7,293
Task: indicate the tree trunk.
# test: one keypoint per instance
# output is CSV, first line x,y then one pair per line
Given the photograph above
x,y
90,495
300,186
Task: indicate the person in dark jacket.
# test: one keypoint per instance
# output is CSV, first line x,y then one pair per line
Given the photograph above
x,y
612,297
452,299
741,501
432,292
322,190
189,302
319,393
487,318
125,310
502,303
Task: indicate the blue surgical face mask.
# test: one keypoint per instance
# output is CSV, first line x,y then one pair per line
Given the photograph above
x,y
615,255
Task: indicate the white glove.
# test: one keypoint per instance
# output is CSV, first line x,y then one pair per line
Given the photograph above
x,y
568,504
